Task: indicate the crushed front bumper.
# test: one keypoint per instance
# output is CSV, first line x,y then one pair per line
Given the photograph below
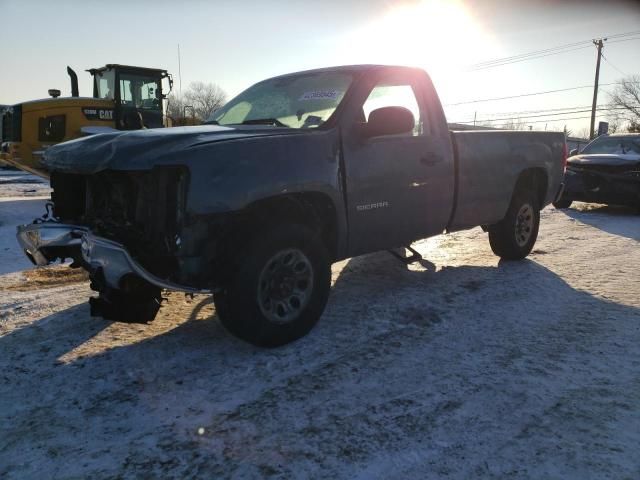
x,y
115,263
44,242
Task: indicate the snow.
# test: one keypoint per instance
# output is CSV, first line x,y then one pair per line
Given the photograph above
x,y
22,198
463,366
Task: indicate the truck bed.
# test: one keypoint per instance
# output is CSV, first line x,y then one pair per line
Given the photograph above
x,y
488,164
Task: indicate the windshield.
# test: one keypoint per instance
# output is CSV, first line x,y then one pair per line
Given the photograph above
x,y
306,100
105,84
140,91
613,145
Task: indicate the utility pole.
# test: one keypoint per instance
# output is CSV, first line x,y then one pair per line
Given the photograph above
x,y
597,43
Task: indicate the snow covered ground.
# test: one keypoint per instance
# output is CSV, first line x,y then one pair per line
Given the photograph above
x,y
460,367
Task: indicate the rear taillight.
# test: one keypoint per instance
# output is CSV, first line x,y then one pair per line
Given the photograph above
x,y
565,155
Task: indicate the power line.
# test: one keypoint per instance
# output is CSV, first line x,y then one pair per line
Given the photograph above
x,y
625,40
522,112
515,57
612,65
523,117
525,95
626,34
569,47
558,119
570,112
537,121
527,58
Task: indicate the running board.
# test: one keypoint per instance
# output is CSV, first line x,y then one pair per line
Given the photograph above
x,y
414,257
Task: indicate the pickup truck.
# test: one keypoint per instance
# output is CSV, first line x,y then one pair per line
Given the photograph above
x,y
293,174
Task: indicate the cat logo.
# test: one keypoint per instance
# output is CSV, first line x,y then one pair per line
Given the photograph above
x,y
105,114
92,113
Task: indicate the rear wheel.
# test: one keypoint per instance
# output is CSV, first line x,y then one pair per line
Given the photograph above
x,y
278,291
514,236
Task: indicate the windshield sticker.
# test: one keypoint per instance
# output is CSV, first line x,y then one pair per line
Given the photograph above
x,y
321,95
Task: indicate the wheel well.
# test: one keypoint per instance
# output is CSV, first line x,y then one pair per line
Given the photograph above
x,y
313,209
533,179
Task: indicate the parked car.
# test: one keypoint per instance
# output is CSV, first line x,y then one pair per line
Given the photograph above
x,y
293,174
606,171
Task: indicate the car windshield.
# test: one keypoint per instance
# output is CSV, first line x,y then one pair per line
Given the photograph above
x,y
305,100
613,145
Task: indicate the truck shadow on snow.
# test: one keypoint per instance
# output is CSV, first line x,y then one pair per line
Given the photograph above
x,y
410,331
621,221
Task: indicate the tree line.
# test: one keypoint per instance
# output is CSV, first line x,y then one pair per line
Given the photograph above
x,y
196,104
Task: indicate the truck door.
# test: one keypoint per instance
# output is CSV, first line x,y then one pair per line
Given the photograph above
x,y
399,187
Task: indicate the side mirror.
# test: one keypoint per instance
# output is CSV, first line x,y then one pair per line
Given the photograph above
x,y
388,121
573,151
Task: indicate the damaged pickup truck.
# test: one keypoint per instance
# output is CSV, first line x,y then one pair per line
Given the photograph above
x,y
295,173
606,171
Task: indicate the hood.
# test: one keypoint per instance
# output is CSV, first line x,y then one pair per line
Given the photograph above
x,y
143,149
600,159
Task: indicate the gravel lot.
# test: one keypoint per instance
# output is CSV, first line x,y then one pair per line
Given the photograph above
x,y
460,367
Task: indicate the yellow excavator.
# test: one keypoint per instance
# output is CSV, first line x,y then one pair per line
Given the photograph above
x,y
124,98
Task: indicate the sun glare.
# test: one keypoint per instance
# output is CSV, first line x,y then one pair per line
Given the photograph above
x,y
440,36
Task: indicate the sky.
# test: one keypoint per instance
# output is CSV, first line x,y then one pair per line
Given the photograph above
x,y
237,43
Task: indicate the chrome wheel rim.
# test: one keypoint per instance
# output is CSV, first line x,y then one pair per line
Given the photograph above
x,y
524,224
285,285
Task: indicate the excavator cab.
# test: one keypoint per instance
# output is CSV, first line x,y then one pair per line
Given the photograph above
x,y
136,93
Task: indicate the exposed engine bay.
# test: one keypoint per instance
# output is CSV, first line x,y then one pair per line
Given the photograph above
x,y
142,210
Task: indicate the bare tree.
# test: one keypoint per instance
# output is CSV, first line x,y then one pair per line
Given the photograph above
x,y
626,97
584,133
175,107
614,125
485,123
517,124
204,98
199,101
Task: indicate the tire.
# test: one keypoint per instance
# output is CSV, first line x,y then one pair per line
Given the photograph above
x,y
562,202
514,236
278,290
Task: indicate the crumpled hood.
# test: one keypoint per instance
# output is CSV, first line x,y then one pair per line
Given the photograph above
x,y
142,149
612,160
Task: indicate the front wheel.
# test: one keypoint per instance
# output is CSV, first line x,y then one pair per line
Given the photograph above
x,y
278,291
514,236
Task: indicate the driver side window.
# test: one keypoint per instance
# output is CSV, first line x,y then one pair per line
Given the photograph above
x,y
387,94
